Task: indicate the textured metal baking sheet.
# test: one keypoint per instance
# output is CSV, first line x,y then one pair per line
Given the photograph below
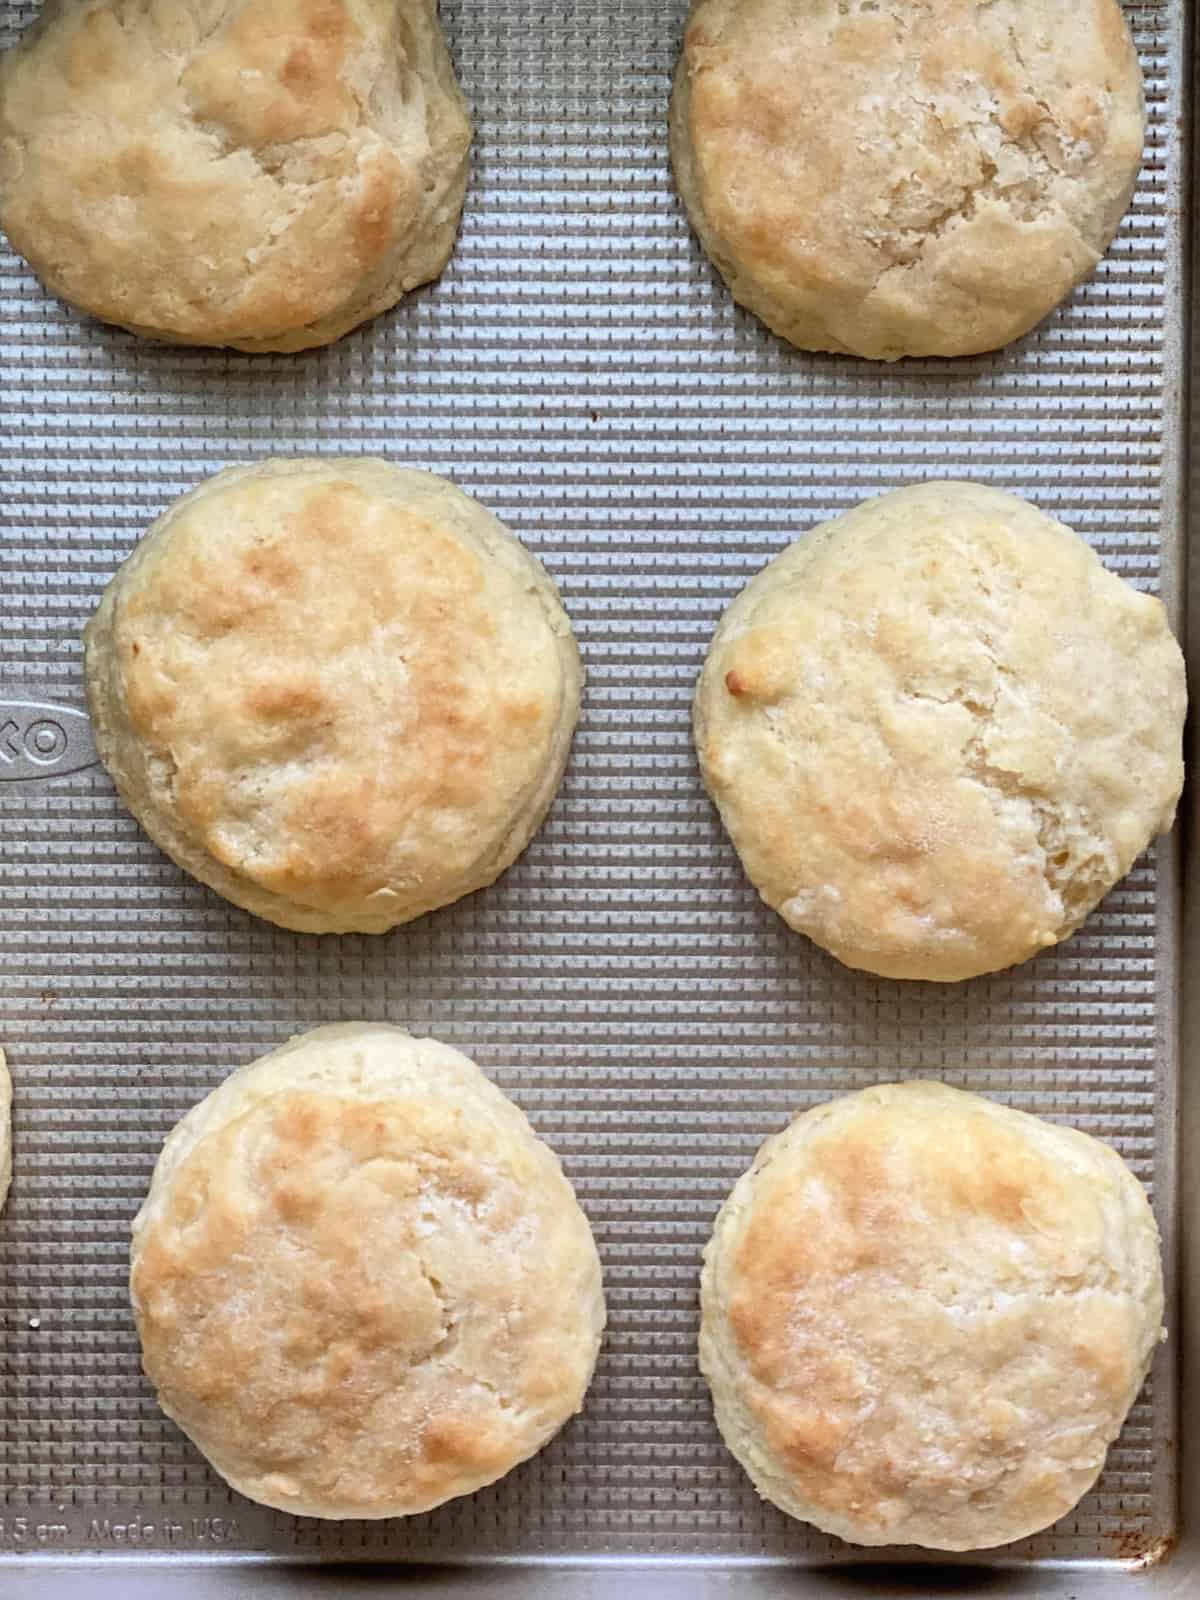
x,y
579,368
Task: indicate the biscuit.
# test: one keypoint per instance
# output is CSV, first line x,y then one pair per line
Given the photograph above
x,y
362,1285
5,1130
889,179
938,731
262,174
338,692
926,1317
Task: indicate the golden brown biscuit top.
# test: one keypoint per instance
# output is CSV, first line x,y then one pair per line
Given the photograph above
x,y
933,1313
346,698
939,730
360,1297
227,171
907,178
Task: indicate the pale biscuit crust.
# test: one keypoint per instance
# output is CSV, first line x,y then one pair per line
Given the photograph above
x,y
938,731
913,177
925,1317
262,174
338,692
5,1129
363,1286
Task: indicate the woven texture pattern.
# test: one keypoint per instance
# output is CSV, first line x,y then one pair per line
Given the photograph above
x,y
582,371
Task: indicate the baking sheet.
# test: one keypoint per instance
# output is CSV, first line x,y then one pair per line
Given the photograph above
x,y
581,370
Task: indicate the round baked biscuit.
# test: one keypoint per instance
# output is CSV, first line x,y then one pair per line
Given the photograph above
x,y
925,1317
884,179
337,691
362,1285
938,731
262,174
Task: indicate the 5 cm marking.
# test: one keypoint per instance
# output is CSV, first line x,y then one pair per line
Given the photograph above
x,y
21,1530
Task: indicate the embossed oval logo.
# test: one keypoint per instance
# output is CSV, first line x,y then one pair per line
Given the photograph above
x,y
43,741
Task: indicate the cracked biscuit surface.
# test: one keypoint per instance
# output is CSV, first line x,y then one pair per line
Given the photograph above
x,y
338,692
938,731
362,1285
893,178
925,1316
261,174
